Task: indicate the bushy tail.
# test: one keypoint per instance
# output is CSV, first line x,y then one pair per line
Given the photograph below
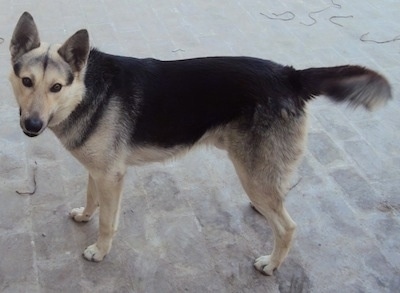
x,y
355,85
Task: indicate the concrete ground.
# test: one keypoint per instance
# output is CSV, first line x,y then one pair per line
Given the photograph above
x,y
186,225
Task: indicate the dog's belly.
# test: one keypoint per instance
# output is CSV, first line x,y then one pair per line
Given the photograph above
x,y
148,154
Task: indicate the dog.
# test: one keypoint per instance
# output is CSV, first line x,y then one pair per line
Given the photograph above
x,y
111,112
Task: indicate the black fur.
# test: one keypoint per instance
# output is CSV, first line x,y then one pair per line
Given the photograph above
x,y
352,84
167,103
46,60
17,68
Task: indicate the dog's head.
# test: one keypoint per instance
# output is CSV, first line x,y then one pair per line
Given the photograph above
x,y
48,80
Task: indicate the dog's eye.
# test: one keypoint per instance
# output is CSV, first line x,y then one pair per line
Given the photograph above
x,y
27,82
56,88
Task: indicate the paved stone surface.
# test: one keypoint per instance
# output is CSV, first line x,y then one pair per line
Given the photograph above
x,y
186,225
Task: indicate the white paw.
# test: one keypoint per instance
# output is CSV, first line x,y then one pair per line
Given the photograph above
x,y
78,216
92,253
265,266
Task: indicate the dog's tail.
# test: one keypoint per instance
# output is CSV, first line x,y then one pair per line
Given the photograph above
x,y
355,85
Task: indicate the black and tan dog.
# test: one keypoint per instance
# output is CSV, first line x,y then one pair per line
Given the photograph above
x,y
111,112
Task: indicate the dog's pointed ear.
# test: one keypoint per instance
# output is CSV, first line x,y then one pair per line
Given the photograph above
x,y
75,50
25,37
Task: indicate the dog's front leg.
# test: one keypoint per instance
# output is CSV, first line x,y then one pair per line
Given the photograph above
x,y
109,188
84,214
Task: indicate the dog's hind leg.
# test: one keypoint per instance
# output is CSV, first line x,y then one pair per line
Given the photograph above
x,y
109,187
267,198
84,214
264,160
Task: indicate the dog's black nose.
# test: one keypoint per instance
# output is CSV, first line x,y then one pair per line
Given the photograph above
x,y
33,125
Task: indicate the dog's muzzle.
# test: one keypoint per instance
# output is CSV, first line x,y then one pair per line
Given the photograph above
x,y
32,126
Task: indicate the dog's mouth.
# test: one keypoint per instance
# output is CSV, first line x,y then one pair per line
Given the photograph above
x,y
30,134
